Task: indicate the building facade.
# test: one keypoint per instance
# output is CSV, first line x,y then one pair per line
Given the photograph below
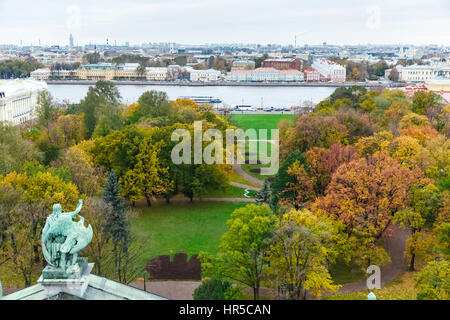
x,y
283,64
205,75
157,74
40,74
18,100
330,71
265,75
312,75
422,73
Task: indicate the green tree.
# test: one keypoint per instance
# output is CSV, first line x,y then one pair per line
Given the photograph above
x,y
265,194
102,100
214,289
433,281
47,111
243,248
117,224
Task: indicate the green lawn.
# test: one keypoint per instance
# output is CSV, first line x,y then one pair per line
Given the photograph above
x,y
181,227
229,192
259,121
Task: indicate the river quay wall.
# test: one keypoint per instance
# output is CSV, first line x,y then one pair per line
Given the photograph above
x,y
231,84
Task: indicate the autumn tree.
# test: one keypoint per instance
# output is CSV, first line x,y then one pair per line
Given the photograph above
x,y
298,253
148,176
243,248
15,149
364,194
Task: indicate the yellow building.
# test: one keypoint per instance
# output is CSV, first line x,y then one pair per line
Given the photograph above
x,y
107,71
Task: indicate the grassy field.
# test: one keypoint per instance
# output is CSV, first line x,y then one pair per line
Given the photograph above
x,y
400,289
181,227
258,121
229,192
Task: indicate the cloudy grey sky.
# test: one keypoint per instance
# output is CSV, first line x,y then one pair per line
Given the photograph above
x,y
227,21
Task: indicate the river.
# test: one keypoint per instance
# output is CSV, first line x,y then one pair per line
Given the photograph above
x,y
255,96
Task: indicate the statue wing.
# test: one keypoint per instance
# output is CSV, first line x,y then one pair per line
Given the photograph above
x,y
83,239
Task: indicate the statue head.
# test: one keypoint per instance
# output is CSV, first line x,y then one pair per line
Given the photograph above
x,y
57,209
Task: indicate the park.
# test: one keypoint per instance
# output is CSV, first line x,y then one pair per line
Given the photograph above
x,y
362,181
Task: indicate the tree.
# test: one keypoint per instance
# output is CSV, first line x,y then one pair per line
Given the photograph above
x,y
101,101
214,289
243,247
394,75
96,211
148,176
152,104
117,225
278,186
433,281
423,100
298,253
302,188
84,174
15,149
364,194
24,237
265,194
46,110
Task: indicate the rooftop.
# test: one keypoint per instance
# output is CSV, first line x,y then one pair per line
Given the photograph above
x,y
11,87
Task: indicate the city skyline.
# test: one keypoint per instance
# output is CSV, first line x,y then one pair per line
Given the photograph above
x,y
202,22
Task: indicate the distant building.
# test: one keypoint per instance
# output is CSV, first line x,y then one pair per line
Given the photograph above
x,y
18,100
312,75
421,73
265,75
40,74
243,65
329,70
205,75
100,71
157,74
292,75
108,71
71,41
283,64
240,75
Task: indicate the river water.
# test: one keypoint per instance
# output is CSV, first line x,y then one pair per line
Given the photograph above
x,y
255,96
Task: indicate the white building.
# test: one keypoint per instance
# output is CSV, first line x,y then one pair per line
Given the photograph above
x,y
18,99
265,74
205,75
157,73
240,75
330,70
291,75
416,73
40,74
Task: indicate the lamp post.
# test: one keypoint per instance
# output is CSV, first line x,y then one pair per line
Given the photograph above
x,y
145,286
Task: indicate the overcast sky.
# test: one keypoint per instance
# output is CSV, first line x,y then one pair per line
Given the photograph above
x,y
227,21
